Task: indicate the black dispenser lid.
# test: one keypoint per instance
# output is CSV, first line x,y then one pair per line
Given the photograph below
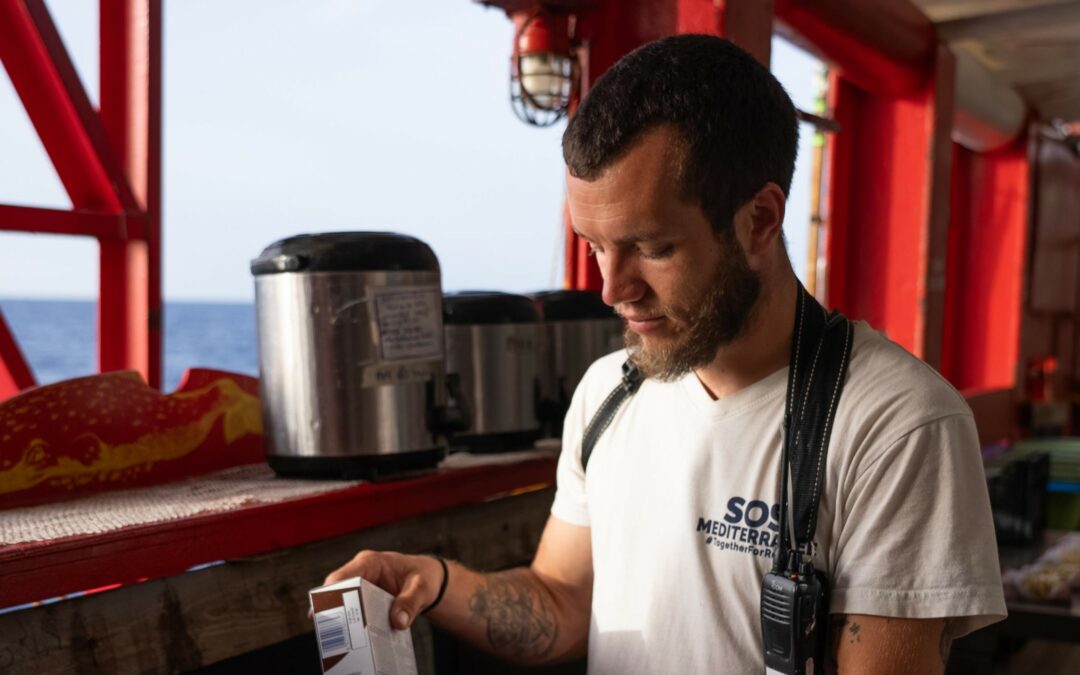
x,y
346,252
487,307
572,306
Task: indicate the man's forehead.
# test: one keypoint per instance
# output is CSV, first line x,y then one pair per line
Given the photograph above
x,y
608,200
650,167
599,215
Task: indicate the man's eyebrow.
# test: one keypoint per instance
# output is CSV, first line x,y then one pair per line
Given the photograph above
x,y
631,238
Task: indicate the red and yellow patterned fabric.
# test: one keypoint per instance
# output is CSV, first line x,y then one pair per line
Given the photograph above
x,y
109,431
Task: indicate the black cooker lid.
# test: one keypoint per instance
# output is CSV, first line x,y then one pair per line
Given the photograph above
x,y
346,252
486,307
572,306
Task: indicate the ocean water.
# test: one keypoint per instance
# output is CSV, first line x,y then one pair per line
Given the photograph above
x,y
59,338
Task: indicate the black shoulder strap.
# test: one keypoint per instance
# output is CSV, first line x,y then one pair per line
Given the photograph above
x,y
821,350
627,387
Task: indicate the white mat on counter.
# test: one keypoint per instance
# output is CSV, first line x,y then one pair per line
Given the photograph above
x,y
212,493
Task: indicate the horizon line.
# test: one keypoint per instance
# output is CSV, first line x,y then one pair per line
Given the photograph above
x,y
94,299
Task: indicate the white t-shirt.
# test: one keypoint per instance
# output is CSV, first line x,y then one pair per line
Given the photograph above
x,y
681,497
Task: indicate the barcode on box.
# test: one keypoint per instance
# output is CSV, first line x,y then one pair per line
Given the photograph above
x,y
330,629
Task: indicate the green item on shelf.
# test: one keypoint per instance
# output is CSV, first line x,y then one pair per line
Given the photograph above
x,y
1064,456
1063,511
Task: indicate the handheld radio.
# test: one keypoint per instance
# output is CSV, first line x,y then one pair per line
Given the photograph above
x,y
793,612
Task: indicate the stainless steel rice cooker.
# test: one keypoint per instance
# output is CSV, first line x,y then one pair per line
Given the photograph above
x,y
350,354
578,328
492,356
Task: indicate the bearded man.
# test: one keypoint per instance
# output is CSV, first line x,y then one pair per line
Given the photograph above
x,y
679,163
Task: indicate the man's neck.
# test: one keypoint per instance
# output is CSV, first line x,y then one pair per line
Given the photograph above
x,y
762,349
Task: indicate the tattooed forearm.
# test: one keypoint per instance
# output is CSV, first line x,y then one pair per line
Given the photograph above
x,y
520,620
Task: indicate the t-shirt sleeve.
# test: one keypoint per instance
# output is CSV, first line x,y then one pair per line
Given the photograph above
x,y
916,537
571,505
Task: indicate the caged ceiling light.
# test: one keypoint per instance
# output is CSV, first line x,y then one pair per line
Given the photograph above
x,y
544,70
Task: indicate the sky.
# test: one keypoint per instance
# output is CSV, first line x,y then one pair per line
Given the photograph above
x,y
282,118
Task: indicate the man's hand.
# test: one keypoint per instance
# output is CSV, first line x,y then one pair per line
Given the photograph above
x,y
414,581
878,645
536,614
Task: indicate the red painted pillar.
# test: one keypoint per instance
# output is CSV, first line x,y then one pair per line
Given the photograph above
x,y
889,205
15,373
620,26
129,309
987,238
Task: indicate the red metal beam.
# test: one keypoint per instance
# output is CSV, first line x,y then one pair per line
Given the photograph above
x,y
987,238
15,373
888,201
129,310
46,81
99,224
885,47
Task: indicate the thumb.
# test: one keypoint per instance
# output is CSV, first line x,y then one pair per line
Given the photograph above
x,y
408,603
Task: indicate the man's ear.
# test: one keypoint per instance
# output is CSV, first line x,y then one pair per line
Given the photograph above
x,y
759,223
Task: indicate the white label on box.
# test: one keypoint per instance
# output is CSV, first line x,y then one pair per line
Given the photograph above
x,y
355,616
330,627
409,322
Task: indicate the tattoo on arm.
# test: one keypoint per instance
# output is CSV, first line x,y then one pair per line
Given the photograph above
x,y
843,628
853,629
520,620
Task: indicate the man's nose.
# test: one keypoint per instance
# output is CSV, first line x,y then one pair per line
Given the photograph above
x,y
622,284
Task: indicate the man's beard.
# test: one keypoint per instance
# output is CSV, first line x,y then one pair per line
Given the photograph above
x,y
702,324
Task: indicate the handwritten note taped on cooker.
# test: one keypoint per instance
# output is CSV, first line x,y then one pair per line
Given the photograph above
x,y
410,324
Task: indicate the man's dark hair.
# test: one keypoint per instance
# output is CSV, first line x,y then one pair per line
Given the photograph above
x,y
737,125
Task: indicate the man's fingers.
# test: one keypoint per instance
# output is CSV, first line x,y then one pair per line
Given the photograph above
x,y
398,574
410,601
364,564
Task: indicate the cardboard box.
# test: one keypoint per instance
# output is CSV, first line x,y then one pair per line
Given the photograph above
x,y
352,626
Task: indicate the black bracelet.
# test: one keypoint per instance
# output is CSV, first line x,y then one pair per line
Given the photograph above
x,y
442,588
